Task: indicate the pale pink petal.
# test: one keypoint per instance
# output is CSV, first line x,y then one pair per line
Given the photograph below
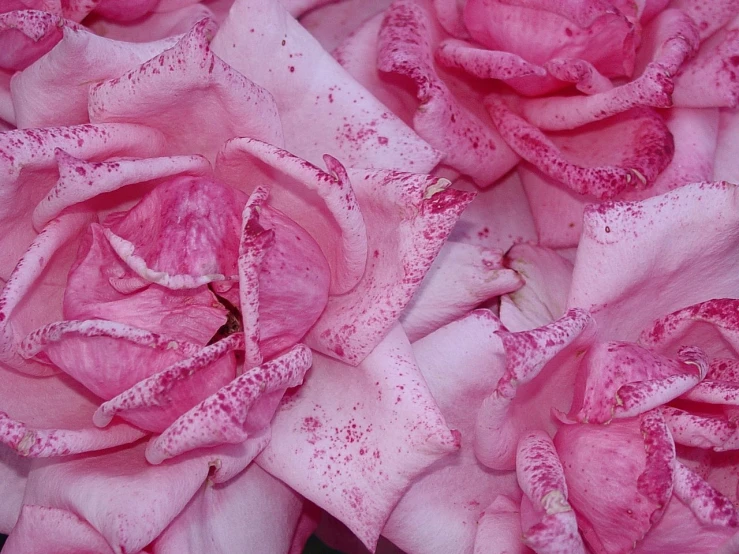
x,y
619,478
710,79
335,22
32,295
713,325
296,8
542,479
264,43
676,38
714,392
153,26
53,90
44,529
484,64
323,203
157,401
726,164
461,277
292,279
591,160
630,254
28,158
405,47
191,72
543,296
26,36
624,380
52,416
530,387
127,501
13,477
355,453
498,217
408,218
461,363
252,511
239,410
499,529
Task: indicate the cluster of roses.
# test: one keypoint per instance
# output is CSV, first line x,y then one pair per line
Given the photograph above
x,y
420,276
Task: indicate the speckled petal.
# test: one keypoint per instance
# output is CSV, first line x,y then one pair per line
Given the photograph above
x,y
239,410
652,246
515,406
322,202
470,145
344,119
408,218
695,430
26,36
53,90
591,160
355,453
542,479
191,72
483,63
28,159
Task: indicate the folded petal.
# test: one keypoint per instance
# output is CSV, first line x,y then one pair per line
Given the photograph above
x,y
44,529
408,218
26,36
405,46
345,120
323,203
461,277
543,296
587,160
461,363
241,409
191,72
354,452
631,253
13,476
530,387
53,90
253,511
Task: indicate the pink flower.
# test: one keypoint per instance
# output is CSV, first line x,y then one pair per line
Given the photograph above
x,y
179,246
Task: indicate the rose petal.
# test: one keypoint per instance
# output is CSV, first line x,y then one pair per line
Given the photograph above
x,y
324,204
13,477
189,71
499,529
621,288
336,22
251,509
515,408
461,277
52,416
44,529
408,218
152,26
28,158
694,430
586,160
405,45
485,64
542,298
26,36
345,121
53,90
356,452
239,410
709,16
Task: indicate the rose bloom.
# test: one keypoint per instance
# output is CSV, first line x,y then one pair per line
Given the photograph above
x,y
238,309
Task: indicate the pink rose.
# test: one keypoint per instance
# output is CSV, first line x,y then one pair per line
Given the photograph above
x,y
572,94
175,259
